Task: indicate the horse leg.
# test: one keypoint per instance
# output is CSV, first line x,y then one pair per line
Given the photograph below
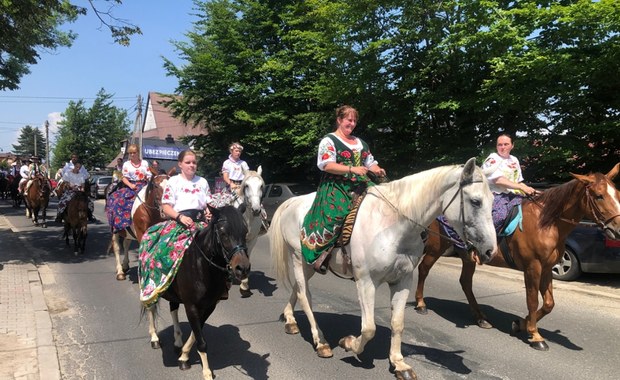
x,y
399,293
533,284
196,321
83,235
116,246
150,311
244,288
302,274
466,281
176,326
536,340
290,323
432,253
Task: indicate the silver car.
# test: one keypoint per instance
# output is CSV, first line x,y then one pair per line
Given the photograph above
x,y
276,193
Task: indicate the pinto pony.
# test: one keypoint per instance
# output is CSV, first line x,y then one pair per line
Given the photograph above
x,y
537,246
385,247
146,211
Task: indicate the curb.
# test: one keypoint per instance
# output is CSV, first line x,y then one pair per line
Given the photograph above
x,y
513,274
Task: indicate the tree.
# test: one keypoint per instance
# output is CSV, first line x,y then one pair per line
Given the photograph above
x,y
29,137
28,27
93,133
435,82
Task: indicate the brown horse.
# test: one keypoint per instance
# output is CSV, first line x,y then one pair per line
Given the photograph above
x,y
76,221
146,212
37,199
537,246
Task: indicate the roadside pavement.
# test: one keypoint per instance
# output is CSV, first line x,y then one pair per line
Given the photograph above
x,y
27,349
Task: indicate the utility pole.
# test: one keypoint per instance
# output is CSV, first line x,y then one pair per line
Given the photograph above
x,y
47,147
137,128
35,141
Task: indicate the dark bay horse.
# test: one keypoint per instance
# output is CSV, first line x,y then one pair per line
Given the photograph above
x,y
16,197
37,199
217,255
146,211
537,246
76,221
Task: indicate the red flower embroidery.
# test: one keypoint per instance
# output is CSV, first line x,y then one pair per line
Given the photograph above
x,y
345,154
364,155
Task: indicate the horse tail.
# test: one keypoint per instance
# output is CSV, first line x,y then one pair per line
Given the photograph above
x,y
279,248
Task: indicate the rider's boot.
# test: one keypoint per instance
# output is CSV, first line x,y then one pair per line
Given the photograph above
x,y
321,264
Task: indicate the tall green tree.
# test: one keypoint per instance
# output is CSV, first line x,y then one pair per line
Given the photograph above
x,y
30,142
93,133
28,27
435,82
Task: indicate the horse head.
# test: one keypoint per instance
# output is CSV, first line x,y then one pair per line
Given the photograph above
x,y
602,203
252,189
469,211
226,236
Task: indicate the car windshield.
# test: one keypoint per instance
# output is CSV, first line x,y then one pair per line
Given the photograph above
x,y
105,180
301,189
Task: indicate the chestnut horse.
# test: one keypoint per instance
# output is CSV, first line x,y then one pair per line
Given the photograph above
x,y
37,199
537,246
146,211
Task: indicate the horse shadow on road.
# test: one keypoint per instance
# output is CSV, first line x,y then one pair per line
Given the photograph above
x,y
337,326
226,348
460,314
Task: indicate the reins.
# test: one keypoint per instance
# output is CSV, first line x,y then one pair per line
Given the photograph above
x,y
428,230
226,254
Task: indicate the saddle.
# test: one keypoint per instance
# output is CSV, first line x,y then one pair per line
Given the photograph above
x,y
514,219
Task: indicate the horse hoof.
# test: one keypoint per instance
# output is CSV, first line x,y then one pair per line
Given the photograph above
x,y
540,346
324,352
346,342
155,345
514,328
421,310
120,276
483,323
184,365
406,375
245,293
291,328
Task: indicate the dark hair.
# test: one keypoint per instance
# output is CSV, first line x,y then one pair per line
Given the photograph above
x,y
185,153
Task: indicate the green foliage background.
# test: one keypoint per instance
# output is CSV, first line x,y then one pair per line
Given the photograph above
x,y
435,82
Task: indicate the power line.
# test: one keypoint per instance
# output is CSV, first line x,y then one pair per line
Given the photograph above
x,y
61,97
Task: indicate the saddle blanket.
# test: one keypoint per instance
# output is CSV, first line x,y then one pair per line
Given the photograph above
x,y
160,255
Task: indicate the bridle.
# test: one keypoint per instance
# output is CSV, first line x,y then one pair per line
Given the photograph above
x,y
596,211
459,191
227,254
157,201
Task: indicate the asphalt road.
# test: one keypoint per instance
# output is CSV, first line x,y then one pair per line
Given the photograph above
x,y
99,333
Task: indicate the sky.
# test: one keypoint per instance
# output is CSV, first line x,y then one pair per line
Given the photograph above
x,y
94,62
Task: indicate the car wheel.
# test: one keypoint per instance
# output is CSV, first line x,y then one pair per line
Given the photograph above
x,y
568,269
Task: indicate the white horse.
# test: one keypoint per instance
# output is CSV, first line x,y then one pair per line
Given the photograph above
x,y
386,246
250,193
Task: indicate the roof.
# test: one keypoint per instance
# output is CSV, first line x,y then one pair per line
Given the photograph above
x,y
159,122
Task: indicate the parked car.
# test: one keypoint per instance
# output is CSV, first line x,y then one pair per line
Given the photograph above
x,y
588,250
276,193
98,185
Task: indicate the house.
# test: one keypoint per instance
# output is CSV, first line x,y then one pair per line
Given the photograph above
x,y
160,134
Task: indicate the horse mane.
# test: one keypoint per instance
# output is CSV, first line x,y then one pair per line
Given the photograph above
x,y
554,200
417,185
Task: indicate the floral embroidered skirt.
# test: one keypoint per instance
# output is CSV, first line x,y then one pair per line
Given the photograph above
x,y
118,207
160,254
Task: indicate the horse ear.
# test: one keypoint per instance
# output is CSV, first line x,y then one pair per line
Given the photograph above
x,y
215,213
583,178
259,171
613,172
172,171
242,208
468,171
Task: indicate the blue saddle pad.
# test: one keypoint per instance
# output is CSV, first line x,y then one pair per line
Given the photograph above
x,y
517,220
